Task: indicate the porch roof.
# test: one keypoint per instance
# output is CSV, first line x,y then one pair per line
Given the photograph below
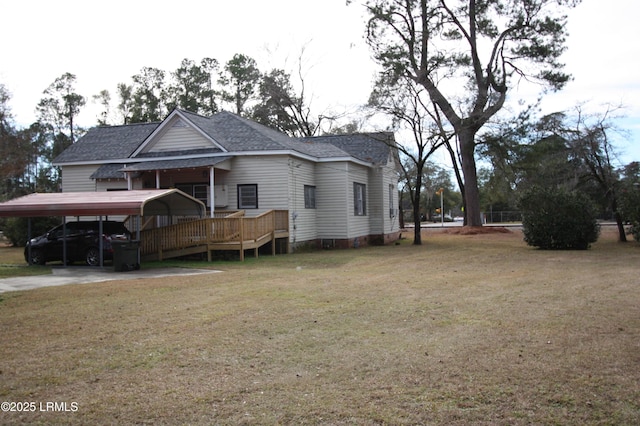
x,y
137,202
184,163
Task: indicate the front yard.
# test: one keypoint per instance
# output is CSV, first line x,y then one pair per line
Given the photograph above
x,y
466,329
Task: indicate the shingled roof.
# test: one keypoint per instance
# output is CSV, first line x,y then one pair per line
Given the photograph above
x,y
236,133
231,132
369,147
107,143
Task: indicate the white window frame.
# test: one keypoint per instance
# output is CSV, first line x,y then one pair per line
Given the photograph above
x,y
245,192
309,197
359,199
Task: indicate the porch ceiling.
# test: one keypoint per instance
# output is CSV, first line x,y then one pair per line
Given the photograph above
x,y
170,202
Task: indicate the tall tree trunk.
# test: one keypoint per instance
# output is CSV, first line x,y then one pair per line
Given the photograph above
x,y
622,235
417,235
417,231
472,212
459,177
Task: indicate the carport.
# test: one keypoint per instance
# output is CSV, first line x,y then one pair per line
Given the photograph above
x,y
138,203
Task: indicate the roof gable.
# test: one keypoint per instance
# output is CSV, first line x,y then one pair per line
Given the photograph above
x,y
177,133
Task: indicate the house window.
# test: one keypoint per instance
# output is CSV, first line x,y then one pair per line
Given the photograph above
x,y
309,197
248,196
201,192
391,206
359,199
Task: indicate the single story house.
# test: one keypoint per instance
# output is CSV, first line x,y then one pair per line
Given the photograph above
x,y
339,191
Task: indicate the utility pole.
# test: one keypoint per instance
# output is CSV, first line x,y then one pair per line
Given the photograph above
x,y
440,193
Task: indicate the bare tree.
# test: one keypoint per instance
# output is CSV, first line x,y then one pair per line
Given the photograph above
x,y
483,47
410,109
591,144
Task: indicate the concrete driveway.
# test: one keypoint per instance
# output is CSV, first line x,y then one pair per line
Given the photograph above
x,y
87,274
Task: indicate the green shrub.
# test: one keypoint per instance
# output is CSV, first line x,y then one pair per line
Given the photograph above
x,y
630,209
555,219
16,228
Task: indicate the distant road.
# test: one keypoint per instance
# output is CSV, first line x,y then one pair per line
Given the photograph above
x,y
459,223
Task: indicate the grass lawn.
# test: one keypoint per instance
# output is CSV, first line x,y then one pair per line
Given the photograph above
x,y
12,263
465,329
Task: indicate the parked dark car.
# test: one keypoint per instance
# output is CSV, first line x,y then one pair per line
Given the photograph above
x,y
82,241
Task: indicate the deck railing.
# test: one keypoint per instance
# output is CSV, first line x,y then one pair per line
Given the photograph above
x,y
234,230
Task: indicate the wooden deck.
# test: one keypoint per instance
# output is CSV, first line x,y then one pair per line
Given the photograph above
x,y
233,232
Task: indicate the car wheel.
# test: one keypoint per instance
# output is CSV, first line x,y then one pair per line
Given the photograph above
x,y
37,257
93,257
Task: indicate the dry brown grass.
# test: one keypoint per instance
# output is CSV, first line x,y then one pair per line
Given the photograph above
x,y
466,329
12,263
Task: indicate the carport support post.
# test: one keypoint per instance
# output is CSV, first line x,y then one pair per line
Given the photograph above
x,y
64,241
138,225
29,241
101,243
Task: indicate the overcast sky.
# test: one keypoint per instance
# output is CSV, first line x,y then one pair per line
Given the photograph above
x,y
105,43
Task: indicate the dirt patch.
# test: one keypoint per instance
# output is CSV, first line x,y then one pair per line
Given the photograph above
x,y
477,230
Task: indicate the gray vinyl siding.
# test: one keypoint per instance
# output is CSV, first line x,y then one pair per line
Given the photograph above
x,y
381,221
358,226
302,221
179,138
390,177
377,196
332,200
77,178
270,173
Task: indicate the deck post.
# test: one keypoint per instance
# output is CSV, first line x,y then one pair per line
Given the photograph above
x,y
209,225
241,239
159,243
273,233
273,243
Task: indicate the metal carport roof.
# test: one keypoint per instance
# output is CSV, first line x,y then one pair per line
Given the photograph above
x,y
148,202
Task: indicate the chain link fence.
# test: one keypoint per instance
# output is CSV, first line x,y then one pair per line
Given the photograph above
x,y
502,216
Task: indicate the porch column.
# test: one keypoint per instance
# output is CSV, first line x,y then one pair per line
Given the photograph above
x,y
157,217
128,176
212,199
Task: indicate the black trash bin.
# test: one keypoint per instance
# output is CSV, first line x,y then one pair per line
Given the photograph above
x,y
125,255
